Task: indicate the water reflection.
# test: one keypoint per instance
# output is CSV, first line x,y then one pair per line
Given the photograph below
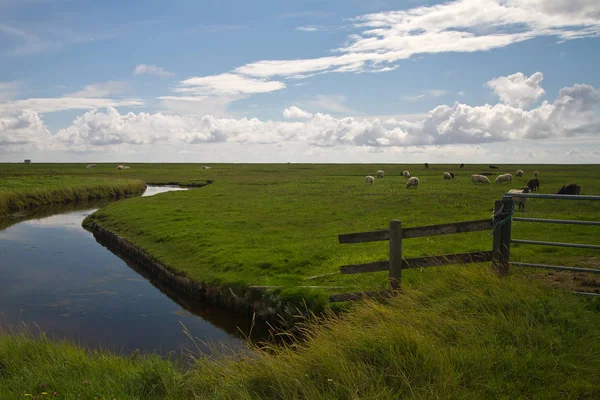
x,y
56,275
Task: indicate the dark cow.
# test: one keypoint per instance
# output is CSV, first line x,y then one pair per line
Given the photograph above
x,y
426,165
462,165
533,184
571,188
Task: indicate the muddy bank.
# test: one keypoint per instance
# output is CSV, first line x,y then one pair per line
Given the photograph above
x,y
241,300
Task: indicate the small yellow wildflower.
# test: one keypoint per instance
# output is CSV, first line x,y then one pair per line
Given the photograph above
x,y
329,380
44,393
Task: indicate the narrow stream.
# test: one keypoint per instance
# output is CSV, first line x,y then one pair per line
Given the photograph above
x,y
55,276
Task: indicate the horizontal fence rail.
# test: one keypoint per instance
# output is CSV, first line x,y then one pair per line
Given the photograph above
x,y
552,196
557,244
556,267
418,231
420,262
557,221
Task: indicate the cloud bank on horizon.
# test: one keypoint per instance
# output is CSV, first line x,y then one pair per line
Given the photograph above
x,y
115,118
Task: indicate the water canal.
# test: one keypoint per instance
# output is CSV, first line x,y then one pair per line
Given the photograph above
x,y
55,276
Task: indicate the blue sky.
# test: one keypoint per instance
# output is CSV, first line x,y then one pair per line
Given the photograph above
x,y
301,81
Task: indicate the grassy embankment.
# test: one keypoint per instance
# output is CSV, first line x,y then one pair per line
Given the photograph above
x,y
26,186
277,225
461,334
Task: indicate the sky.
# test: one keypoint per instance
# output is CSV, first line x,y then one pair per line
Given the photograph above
x,y
303,81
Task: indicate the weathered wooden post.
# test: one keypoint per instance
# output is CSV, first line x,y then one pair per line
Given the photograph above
x,y
395,253
503,210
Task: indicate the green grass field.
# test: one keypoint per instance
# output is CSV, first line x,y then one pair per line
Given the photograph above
x,y
460,334
453,332
276,225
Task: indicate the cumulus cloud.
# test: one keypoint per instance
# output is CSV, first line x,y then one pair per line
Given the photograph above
x,y
227,84
142,69
517,89
23,132
103,89
294,112
571,114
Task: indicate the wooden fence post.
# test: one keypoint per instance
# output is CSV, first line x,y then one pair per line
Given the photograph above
x,y
501,246
395,253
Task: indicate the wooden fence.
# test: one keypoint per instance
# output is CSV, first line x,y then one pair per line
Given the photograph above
x,y
395,235
500,224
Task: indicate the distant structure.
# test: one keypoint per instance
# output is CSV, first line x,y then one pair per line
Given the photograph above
x,y
27,161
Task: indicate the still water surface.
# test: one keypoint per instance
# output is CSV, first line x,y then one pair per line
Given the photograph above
x,y
53,274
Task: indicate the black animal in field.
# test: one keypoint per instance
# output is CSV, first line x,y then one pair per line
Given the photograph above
x,y
462,165
533,184
493,167
570,188
426,165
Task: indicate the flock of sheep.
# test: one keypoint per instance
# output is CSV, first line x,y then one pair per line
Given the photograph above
x,y
532,184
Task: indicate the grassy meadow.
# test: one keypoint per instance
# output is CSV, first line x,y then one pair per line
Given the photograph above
x,y
277,225
456,332
460,334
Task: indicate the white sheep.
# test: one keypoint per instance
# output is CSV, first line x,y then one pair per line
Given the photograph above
x,y
206,167
447,175
504,178
536,174
90,166
519,173
412,182
520,201
369,179
380,174
476,178
406,174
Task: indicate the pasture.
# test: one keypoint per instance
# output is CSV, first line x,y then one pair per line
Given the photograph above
x,y
453,332
277,224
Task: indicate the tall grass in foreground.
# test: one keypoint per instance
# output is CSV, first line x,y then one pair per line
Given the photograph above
x,y
462,334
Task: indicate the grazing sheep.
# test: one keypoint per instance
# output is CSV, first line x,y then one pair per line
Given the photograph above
x,y
369,179
122,167
519,173
412,182
476,178
406,174
520,201
380,174
571,188
206,167
447,175
536,174
504,178
91,166
533,184
452,175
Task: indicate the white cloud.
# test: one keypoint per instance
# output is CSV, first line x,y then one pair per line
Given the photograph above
x,y
24,132
517,89
48,105
309,28
330,103
294,112
227,84
103,89
571,114
461,93
458,26
436,92
141,69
